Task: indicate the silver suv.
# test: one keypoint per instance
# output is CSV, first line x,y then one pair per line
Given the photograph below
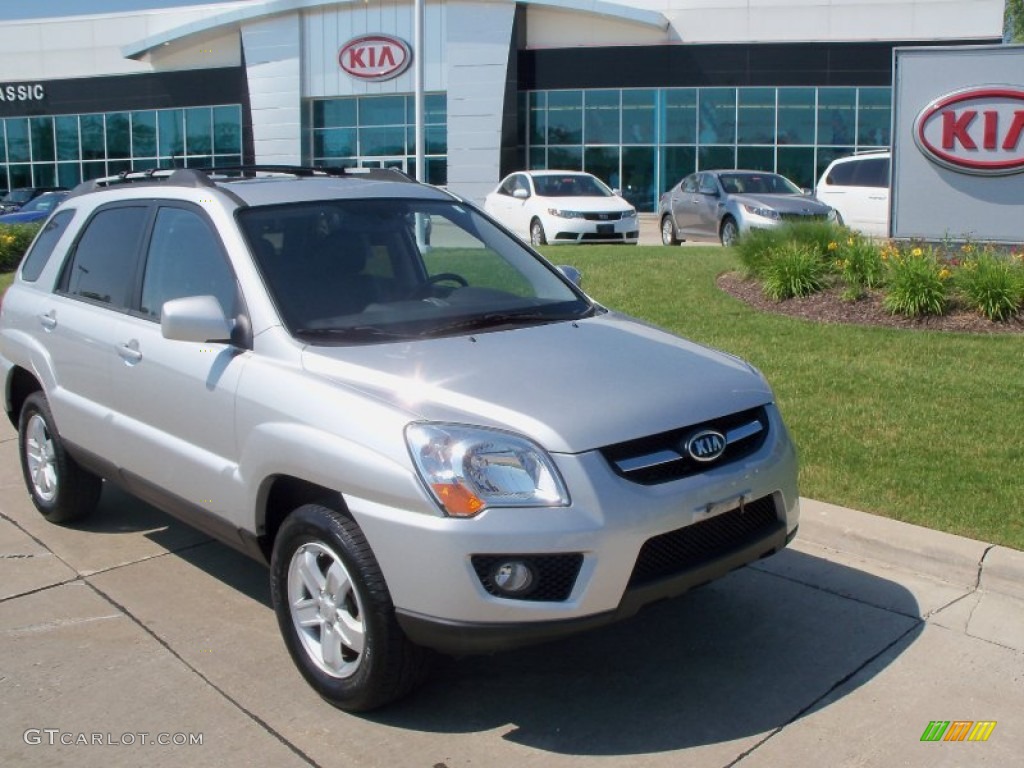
x,y
444,447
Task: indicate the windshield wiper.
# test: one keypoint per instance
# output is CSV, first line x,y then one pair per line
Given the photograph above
x,y
352,332
493,319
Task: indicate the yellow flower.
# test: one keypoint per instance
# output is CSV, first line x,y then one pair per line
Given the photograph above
x,y
967,248
833,245
944,274
916,252
849,241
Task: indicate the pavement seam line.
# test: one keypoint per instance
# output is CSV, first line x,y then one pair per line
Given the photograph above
x,y
37,590
842,681
166,646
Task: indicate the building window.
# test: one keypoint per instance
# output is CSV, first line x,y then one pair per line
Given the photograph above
x,y
642,141
377,131
64,150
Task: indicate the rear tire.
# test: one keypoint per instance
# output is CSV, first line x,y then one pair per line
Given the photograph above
x,y
335,612
537,236
60,489
668,231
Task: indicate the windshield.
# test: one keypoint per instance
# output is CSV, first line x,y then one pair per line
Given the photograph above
x,y
17,196
570,185
46,202
360,271
758,184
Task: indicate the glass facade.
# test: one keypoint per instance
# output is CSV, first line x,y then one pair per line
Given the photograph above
x,y
642,141
63,150
377,131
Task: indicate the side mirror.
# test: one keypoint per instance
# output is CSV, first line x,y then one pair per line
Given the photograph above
x,y
574,275
195,318
520,194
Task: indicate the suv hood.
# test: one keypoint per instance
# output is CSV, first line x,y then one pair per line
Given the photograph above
x,y
572,387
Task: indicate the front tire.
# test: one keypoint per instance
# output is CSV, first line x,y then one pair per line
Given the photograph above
x,y
730,232
537,236
335,612
60,489
668,231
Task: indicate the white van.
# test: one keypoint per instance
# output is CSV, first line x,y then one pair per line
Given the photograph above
x,y
857,187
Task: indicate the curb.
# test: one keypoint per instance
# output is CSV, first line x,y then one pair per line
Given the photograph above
x,y
944,556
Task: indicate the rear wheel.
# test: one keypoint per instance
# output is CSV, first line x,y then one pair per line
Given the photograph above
x,y
537,236
668,231
60,489
730,232
336,614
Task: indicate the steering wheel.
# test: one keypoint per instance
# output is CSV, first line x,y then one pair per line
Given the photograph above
x,y
424,289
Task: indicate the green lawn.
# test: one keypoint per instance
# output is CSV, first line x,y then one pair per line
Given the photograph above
x,y
5,280
925,427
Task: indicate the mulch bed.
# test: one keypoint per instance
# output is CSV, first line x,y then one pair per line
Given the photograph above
x,y
829,307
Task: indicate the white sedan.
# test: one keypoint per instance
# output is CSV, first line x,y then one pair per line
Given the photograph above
x,y
562,207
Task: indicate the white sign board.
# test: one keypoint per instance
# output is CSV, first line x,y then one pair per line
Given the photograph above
x,y
958,143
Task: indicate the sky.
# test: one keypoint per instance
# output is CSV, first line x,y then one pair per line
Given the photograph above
x,y
16,9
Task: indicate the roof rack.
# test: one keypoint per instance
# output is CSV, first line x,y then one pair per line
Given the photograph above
x,y
207,176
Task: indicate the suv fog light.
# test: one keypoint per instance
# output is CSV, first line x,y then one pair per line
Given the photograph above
x,y
512,576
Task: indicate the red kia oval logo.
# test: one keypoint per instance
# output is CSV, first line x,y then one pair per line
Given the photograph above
x,y
976,130
375,57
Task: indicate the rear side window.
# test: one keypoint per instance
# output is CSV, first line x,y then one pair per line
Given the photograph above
x,y
841,174
872,173
103,266
39,254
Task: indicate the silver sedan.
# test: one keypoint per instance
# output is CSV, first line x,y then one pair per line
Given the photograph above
x,y
722,205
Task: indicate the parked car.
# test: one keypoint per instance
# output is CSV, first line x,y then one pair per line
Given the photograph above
x,y
722,205
857,187
16,198
556,207
447,448
34,210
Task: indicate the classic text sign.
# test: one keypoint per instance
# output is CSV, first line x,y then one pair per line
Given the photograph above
x,y
375,57
977,130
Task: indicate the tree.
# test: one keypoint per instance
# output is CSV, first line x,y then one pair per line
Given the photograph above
x,y
1013,21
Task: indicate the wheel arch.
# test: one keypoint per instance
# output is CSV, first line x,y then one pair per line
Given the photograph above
x,y
280,495
20,384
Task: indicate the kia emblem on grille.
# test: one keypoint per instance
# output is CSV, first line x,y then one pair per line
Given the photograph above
x,y
706,445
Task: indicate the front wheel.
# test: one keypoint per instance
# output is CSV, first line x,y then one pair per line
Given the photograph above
x,y
730,232
537,236
668,232
335,612
60,489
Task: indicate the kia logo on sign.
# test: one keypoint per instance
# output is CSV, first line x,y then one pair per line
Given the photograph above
x,y
375,57
976,130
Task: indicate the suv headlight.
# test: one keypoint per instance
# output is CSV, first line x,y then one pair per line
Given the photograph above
x,y
566,214
468,469
766,213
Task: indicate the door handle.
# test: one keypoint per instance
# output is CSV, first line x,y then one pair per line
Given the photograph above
x,y
49,320
129,352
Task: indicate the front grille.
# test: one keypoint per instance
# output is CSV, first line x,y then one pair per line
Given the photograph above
x,y
803,217
663,457
555,575
612,216
695,545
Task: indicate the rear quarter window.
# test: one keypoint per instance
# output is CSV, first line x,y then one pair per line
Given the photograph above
x,y
842,174
42,248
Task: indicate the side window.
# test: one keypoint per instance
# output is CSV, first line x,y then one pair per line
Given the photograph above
x,y
842,174
185,259
103,266
873,173
690,184
707,184
509,186
39,254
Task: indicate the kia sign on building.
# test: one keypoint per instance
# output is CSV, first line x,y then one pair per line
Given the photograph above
x,y
375,57
958,143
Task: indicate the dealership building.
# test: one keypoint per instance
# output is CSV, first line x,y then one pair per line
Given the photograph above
x,y
638,92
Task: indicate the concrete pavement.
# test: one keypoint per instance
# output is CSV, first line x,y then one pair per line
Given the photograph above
x,y
133,629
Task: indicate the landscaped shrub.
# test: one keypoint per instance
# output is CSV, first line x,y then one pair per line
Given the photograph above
x,y
792,270
860,264
756,247
14,241
816,235
917,283
992,285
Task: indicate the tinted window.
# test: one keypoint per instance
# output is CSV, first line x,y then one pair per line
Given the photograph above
x,y
841,174
103,267
707,184
690,184
185,259
39,253
872,173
